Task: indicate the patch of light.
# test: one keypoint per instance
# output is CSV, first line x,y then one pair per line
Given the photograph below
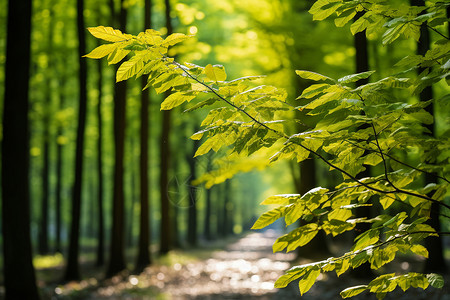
x,y
193,29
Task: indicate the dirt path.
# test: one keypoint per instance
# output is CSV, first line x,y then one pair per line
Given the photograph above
x,y
246,269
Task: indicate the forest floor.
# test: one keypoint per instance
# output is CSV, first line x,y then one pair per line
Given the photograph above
x,y
241,268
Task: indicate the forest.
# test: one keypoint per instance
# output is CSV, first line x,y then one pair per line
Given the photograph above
x,y
259,149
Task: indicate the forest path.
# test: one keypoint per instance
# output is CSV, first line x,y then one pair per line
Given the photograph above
x,y
245,269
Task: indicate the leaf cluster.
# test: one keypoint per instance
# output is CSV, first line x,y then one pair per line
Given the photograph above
x,y
352,128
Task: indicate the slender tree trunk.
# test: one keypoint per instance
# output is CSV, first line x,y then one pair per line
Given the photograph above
x,y
165,230
362,65
72,269
100,225
435,261
117,258
19,276
144,255
59,176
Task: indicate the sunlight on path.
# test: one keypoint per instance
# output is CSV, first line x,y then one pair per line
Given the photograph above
x,y
245,268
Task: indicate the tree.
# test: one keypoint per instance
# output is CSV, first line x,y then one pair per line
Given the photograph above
x,y
165,228
72,269
144,257
101,230
435,261
19,276
355,127
117,258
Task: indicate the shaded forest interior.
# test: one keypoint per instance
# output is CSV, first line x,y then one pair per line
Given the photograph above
x,y
110,185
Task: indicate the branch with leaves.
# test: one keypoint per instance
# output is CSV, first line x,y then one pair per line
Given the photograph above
x,y
352,128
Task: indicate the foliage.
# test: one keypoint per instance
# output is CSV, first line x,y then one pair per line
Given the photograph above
x,y
375,124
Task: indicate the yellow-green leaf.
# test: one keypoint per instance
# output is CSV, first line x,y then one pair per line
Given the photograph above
x,y
269,217
281,199
353,291
308,280
420,250
312,75
175,38
108,34
102,51
175,100
215,73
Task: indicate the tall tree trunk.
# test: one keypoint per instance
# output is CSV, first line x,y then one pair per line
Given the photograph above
x,y
117,258
362,65
19,276
144,256
165,229
72,269
100,220
59,163
435,261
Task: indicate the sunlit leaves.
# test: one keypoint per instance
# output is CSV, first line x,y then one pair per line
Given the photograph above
x,y
102,51
347,127
176,99
109,34
215,73
353,291
269,217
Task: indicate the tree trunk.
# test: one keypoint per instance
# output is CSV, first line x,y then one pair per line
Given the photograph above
x,y
144,255
117,258
100,220
19,276
362,65
72,269
165,229
435,261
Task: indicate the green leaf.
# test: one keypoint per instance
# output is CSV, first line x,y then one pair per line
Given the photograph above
x,y
285,279
353,291
102,51
130,67
281,199
175,38
269,217
359,25
175,100
117,55
312,75
296,238
365,239
215,73
109,34
344,18
308,280
355,77
436,280
420,250
386,201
